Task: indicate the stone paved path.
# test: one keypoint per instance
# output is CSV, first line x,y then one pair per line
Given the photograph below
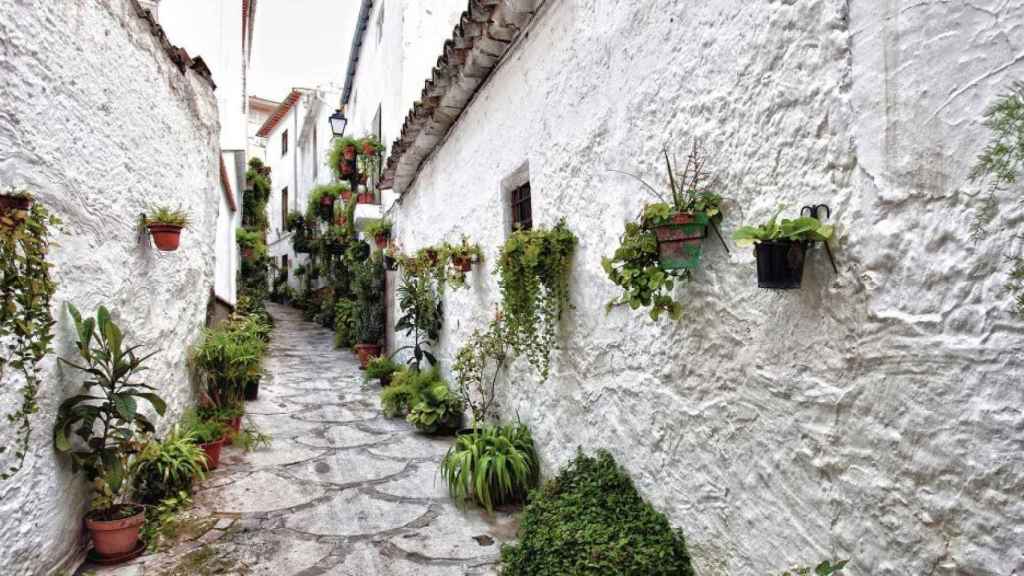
x,y
342,490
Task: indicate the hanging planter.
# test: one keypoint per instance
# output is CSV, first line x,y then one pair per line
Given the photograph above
x,y
366,198
165,226
780,247
365,352
326,207
14,207
679,240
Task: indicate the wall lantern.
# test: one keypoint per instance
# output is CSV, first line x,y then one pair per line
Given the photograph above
x,y
338,123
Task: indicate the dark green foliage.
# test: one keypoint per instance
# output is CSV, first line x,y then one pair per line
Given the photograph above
x,y
381,368
1003,158
406,390
229,356
106,415
204,429
368,288
635,267
534,269
166,468
590,520
25,320
493,465
438,409
422,316
345,315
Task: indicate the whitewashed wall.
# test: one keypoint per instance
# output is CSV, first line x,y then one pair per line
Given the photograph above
x,y
101,125
874,415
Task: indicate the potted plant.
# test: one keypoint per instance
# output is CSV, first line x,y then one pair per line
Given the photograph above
x,y
165,225
165,468
322,199
110,398
477,367
779,248
251,243
366,196
368,287
381,368
493,465
342,157
422,316
464,255
679,226
15,204
380,231
439,410
210,435
370,146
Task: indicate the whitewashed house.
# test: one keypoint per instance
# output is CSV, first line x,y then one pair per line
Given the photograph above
x,y
223,33
260,109
850,419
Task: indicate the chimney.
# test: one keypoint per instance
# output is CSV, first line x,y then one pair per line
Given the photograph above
x,y
153,6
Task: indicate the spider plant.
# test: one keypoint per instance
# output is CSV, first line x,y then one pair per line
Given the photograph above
x,y
493,465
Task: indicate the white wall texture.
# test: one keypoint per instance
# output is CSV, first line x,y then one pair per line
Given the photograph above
x,y
101,125
873,415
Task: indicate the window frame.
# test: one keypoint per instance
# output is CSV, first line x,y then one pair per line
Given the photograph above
x,y
284,142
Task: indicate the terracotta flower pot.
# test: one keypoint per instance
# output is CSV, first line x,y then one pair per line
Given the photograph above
x,y
369,149
462,263
235,424
165,236
247,253
212,450
365,352
327,200
346,195
112,538
432,256
366,198
349,152
381,240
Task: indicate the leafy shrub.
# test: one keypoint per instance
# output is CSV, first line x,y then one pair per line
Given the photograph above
x,y
381,368
230,355
368,287
345,314
534,269
590,520
493,465
438,409
165,468
483,351
422,316
162,520
801,229
406,391
203,430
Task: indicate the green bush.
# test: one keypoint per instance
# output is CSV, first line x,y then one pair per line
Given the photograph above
x,y
438,409
493,465
381,368
345,312
590,520
406,391
166,468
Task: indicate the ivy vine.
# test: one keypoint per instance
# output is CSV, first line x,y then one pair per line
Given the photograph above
x,y
26,322
534,270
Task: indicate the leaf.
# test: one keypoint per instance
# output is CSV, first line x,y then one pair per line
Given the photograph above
x,y
158,403
125,405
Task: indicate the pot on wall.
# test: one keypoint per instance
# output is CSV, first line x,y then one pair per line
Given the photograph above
x,y
366,198
679,240
349,152
9,203
381,240
365,352
115,539
165,236
462,263
212,451
780,264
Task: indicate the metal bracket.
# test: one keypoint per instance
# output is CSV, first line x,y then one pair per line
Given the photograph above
x,y
814,211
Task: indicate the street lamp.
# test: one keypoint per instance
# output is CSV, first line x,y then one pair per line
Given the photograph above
x,y
338,123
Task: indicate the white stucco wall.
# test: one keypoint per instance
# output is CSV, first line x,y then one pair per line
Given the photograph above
x,y
874,414
101,125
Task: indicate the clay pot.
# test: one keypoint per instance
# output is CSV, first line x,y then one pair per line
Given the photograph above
x,y
346,195
349,152
679,240
247,253
462,263
366,198
432,256
235,424
212,450
112,538
165,236
369,149
327,200
365,352
381,240
15,203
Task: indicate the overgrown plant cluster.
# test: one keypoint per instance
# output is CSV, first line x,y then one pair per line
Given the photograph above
x,y
254,269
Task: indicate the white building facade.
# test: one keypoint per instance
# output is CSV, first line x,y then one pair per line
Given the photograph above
x,y
872,415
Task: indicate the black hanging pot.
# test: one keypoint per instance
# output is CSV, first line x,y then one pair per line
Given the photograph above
x,y
780,264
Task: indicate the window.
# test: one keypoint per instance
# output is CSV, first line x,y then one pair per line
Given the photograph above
x,y
284,208
284,265
520,209
284,143
316,157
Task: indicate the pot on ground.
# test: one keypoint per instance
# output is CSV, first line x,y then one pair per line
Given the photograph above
x,y
679,240
252,390
235,424
212,451
113,538
780,264
462,263
365,352
165,236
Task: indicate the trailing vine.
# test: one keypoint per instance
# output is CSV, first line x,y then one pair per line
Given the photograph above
x,y
534,270
25,322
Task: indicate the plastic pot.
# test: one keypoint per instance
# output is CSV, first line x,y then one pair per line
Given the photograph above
x,y
252,390
113,538
679,240
365,352
780,264
212,451
165,236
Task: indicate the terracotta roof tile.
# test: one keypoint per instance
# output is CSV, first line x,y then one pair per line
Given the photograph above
x,y
278,114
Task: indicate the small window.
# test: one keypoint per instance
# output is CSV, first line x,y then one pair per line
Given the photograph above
x,y
284,143
284,265
284,207
520,208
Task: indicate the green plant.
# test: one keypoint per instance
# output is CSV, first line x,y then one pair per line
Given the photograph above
x,y
457,254
406,391
337,154
168,467
380,227
800,230
251,438
438,409
368,287
295,222
107,423
334,191
635,267
381,368
25,320
483,350
162,520
590,520
346,313
248,238
825,568
169,216
534,269
693,191
203,430
422,317
228,356
493,465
